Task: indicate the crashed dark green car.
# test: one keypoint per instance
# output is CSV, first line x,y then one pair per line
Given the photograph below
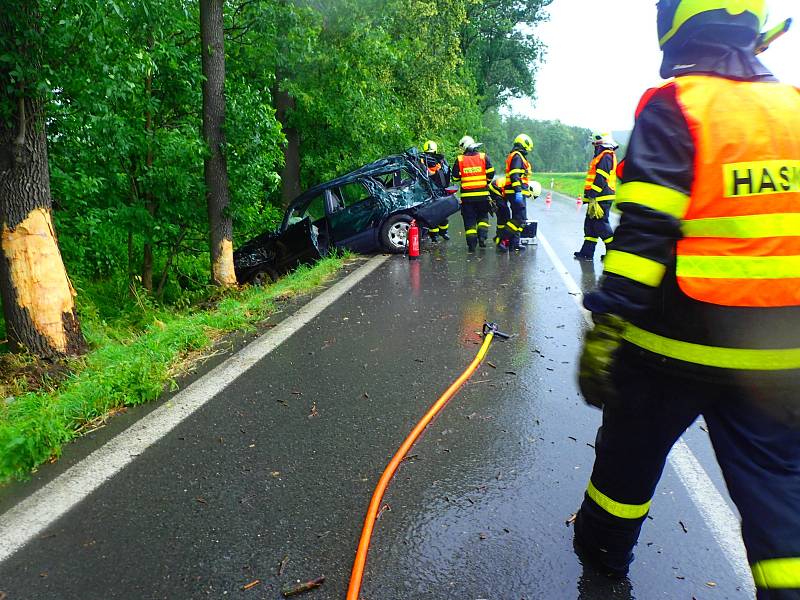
x,y
367,210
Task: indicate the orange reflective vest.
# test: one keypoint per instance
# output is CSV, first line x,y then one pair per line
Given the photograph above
x,y
741,244
472,170
498,187
524,173
610,177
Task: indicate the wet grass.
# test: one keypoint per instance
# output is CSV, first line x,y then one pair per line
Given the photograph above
x,y
569,184
45,405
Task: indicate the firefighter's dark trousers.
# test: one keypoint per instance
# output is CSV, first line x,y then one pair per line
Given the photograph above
x,y
516,222
439,230
597,229
476,220
503,215
759,456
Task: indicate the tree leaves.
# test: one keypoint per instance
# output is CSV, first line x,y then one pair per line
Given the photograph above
x,y
369,77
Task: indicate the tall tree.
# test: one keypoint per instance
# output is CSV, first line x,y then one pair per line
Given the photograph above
x,y
38,298
215,166
501,48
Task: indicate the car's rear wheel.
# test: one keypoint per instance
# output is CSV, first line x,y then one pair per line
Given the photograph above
x,y
394,233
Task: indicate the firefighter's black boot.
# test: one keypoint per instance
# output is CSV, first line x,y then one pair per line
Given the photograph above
x,y
514,245
587,250
595,553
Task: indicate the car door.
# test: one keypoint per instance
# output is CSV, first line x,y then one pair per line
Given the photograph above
x,y
353,216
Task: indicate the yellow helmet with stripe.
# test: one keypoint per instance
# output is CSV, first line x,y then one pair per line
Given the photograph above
x,y
430,146
524,141
736,22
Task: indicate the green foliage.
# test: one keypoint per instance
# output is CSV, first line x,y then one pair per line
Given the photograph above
x,y
379,77
122,82
501,49
133,363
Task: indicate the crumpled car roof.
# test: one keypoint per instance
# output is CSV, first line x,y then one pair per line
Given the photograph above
x,y
409,159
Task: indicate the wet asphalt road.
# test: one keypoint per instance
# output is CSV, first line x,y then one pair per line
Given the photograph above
x,y
280,467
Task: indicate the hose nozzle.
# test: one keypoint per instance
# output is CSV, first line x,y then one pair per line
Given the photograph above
x,y
492,328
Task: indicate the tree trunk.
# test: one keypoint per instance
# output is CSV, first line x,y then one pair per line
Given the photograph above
x,y
147,252
290,175
215,166
38,298
149,200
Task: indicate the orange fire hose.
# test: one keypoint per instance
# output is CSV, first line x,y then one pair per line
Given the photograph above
x,y
357,575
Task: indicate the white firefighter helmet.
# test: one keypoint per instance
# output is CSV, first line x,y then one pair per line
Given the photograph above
x,y
466,143
604,139
536,189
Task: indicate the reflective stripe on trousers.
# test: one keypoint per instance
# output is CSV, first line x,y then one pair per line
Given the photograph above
x,y
759,457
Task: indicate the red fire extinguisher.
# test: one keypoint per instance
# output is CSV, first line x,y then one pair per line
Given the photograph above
x,y
413,241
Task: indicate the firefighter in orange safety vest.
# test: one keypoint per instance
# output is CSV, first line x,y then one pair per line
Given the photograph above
x,y
698,310
599,192
517,191
439,174
473,171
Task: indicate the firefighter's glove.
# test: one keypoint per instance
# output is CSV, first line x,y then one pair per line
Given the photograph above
x,y
518,197
597,360
594,210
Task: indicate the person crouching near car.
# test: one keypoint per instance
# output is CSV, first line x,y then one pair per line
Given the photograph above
x,y
473,172
439,174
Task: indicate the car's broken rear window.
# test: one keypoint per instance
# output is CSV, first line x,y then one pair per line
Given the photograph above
x,y
397,178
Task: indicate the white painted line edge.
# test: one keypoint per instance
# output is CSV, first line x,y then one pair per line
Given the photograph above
x,y
571,285
20,524
719,518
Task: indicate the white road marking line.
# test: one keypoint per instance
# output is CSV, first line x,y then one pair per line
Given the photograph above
x,y
30,517
571,285
719,518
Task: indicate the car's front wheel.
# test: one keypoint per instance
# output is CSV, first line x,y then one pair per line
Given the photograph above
x,y
394,233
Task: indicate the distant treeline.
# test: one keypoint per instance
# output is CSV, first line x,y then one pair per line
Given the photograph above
x,y
558,148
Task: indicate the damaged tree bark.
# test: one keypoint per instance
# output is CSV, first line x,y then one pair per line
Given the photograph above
x,y
216,168
38,298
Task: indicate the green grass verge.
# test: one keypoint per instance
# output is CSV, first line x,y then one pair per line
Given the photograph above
x,y
569,184
136,369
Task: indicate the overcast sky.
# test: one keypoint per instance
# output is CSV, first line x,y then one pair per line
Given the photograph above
x,y
588,41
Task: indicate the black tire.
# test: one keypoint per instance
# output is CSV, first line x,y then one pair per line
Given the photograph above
x,y
394,233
